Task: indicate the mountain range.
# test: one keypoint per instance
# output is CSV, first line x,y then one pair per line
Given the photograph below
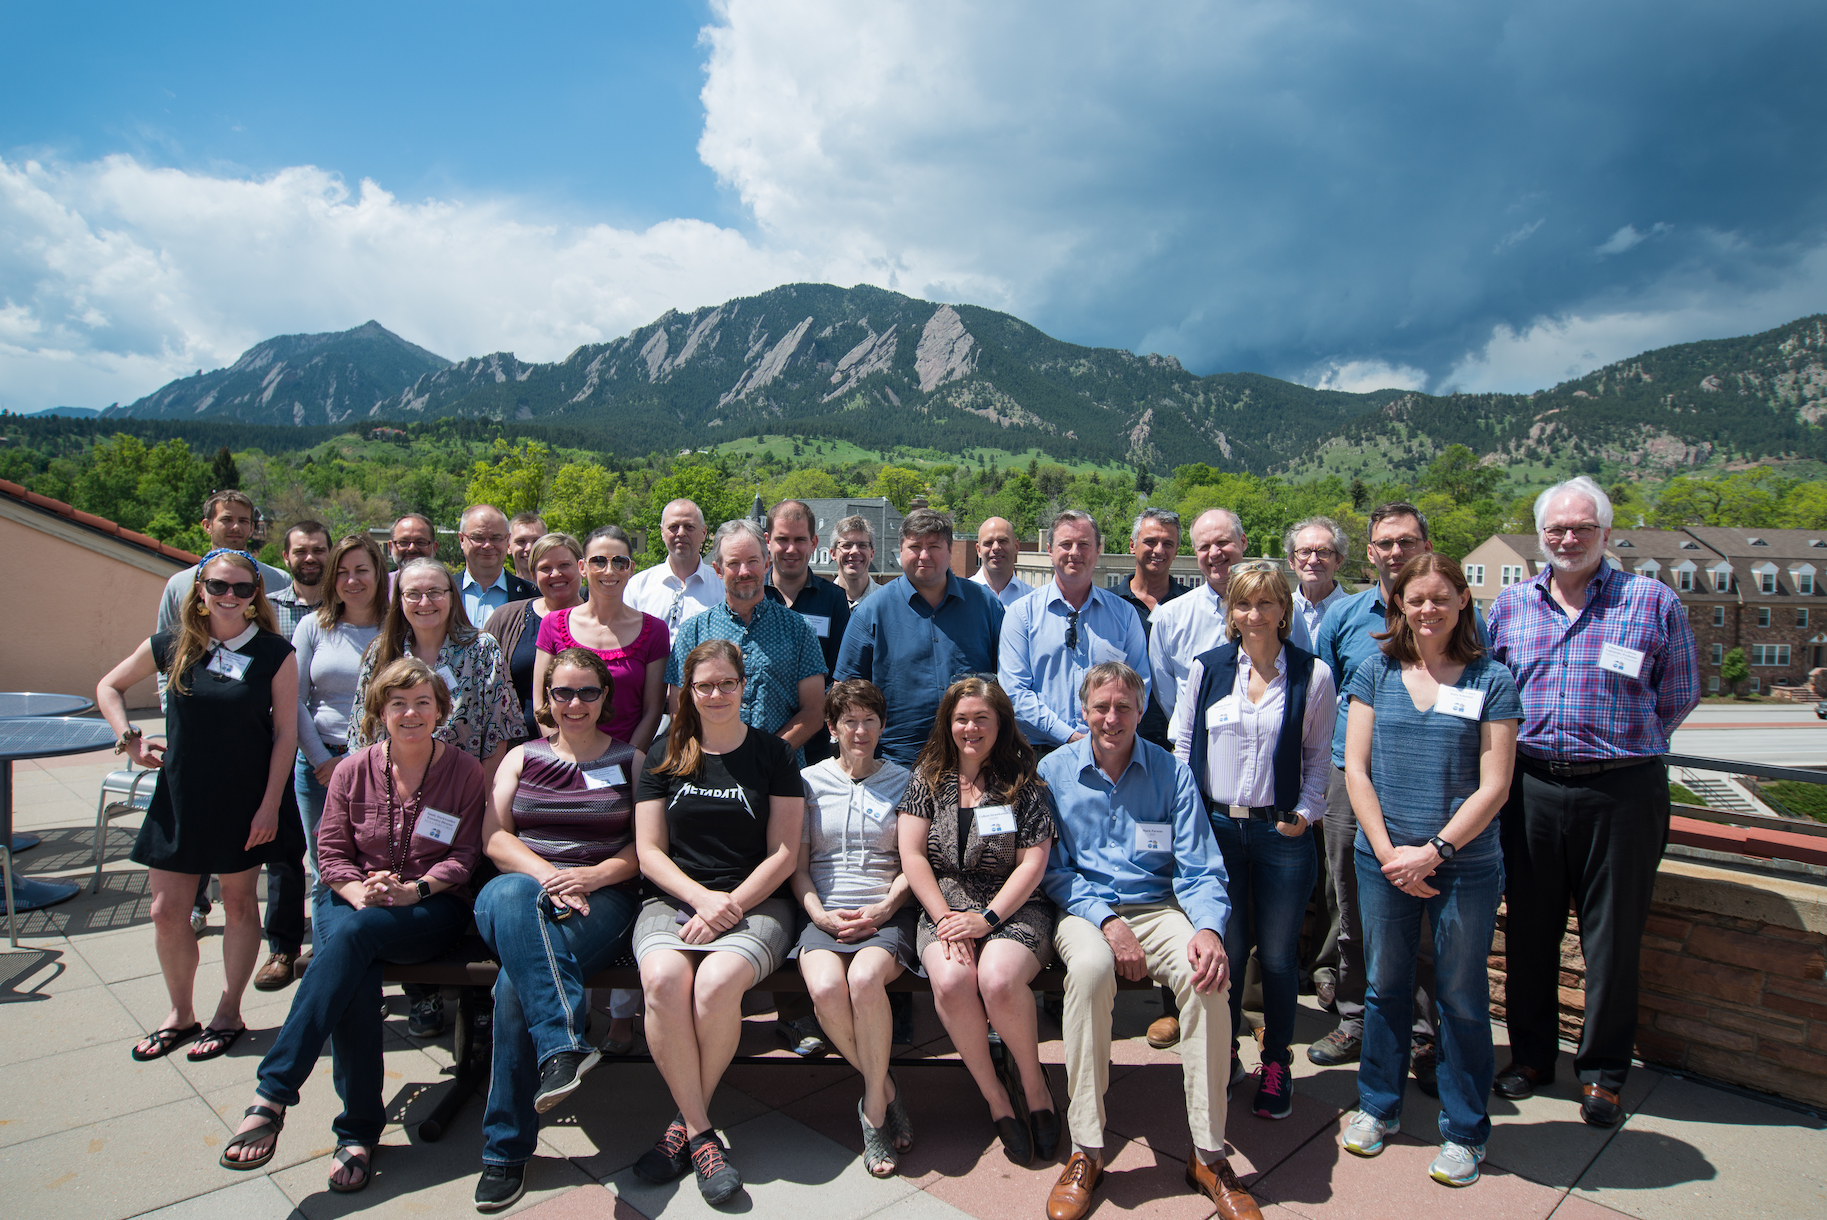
x,y
881,369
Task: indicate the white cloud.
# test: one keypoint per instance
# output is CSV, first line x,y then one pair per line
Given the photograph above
x,y
1517,237
1361,376
1628,237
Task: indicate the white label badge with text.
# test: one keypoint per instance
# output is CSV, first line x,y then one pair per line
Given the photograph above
x,y
1103,652
607,777
450,679
1463,702
438,827
995,820
1154,836
820,624
1620,660
1221,713
230,665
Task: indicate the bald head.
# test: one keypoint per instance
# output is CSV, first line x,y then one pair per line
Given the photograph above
x,y
682,529
996,551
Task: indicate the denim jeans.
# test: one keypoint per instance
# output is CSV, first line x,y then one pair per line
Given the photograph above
x,y
540,1004
311,796
1270,877
1464,916
340,1000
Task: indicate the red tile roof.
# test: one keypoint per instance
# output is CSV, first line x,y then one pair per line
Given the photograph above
x,y
100,525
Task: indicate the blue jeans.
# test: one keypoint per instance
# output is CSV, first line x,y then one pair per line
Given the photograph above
x,y
1464,916
311,796
1269,879
540,1005
340,1000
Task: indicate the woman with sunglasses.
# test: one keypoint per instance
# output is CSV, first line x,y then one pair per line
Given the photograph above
x,y
717,830
560,827
634,646
1254,724
515,626
223,802
330,644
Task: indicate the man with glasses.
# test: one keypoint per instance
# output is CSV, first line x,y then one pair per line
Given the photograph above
x,y
853,547
996,553
1316,547
486,584
1398,532
1052,637
523,531
1193,624
685,585
792,541
412,537
1607,667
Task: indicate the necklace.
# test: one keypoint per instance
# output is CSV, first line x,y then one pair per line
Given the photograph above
x,y
396,852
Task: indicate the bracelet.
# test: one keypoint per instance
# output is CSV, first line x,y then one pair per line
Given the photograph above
x,y
130,733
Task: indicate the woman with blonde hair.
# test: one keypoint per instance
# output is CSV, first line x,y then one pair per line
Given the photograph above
x,y
223,802
554,562
975,830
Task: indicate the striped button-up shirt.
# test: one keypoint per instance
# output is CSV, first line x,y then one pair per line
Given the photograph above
x,y
1574,710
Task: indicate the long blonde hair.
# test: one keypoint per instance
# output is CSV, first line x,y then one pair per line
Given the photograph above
x,y
193,619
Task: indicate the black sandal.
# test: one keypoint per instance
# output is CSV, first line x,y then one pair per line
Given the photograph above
x,y
163,1041
344,1158
274,1124
213,1042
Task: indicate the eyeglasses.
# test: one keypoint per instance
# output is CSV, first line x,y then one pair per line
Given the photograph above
x,y
705,690
403,546
424,595
1071,629
602,563
1310,553
1406,543
1255,565
222,588
564,694
1585,533
486,539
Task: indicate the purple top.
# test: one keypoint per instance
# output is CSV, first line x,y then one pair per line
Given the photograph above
x,y
575,814
627,666
353,839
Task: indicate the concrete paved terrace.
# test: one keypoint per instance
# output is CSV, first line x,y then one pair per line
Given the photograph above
x,y
86,1132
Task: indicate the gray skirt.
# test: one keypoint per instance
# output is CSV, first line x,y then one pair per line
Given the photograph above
x,y
896,937
762,936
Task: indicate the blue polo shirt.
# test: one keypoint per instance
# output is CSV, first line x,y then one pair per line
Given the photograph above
x,y
912,651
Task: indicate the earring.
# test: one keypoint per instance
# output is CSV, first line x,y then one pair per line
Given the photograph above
x,y
251,612
202,609
1282,626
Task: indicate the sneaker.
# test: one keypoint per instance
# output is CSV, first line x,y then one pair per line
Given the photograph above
x,y
1275,1090
803,1037
717,1178
1425,1058
427,1017
500,1187
1364,1134
561,1075
667,1160
1457,1164
1335,1048
199,919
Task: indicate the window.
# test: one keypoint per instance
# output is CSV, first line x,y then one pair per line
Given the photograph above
x,y
1712,685
1756,541
1756,685
1625,542
1718,616
1716,654
1766,580
1763,616
1684,580
1474,574
1770,654
1510,574
1804,581
1722,580
1801,618
1690,546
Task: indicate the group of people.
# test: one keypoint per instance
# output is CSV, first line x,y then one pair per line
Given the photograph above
x,y
719,763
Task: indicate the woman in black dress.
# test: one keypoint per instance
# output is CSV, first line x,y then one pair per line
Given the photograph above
x,y
224,802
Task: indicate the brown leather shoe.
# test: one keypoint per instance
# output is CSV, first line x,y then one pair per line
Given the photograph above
x,y
1219,1184
1070,1197
1164,1033
276,975
1599,1106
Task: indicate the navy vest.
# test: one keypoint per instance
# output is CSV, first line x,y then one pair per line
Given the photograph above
x,y
1219,677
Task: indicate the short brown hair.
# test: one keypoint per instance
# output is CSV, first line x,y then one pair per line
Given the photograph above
x,y
583,658
1247,583
923,521
403,674
854,692
218,498
1399,640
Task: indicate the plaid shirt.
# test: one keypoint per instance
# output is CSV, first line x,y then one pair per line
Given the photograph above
x,y
1573,711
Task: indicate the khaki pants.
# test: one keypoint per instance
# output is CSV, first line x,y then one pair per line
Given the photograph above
x,y
1091,985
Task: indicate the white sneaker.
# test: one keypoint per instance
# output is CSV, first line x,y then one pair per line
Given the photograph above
x,y
1364,1134
198,921
1457,1164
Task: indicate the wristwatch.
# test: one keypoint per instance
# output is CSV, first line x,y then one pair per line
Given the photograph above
x,y
424,888
992,918
1445,849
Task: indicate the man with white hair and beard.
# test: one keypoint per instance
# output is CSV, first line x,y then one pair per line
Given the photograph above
x,y
1607,667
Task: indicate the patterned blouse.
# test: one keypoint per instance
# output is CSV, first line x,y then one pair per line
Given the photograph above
x,y
484,711
970,869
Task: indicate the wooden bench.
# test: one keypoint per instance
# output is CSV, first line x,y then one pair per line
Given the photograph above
x,y
473,973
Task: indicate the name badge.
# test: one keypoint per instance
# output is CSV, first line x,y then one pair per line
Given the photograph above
x,y
1221,713
995,820
1620,660
1459,701
450,679
1102,651
1154,836
230,665
606,777
438,827
820,624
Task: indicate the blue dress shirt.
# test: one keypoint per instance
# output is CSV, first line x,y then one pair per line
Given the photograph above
x,y
1042,676
912,651
479,602
1094,866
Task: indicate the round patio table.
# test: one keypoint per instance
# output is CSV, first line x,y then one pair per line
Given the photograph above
x,y
38,737
17,703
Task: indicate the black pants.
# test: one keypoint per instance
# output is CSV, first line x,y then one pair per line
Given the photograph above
x,y
285,904
1594,841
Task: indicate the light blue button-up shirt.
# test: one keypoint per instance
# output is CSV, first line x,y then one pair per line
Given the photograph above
x,y
1042,676
479,602
1094,866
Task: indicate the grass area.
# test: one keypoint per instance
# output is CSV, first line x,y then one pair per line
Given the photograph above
x,y
1804,800
1681,794
822,452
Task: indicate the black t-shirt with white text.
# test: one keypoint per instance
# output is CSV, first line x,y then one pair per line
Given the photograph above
x,y
717,820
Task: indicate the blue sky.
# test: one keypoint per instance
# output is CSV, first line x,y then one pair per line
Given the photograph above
x,y
1427,194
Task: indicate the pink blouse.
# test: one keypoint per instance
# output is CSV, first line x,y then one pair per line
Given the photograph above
x,y
627,666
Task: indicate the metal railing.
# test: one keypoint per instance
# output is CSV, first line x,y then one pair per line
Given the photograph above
x,y
1801,775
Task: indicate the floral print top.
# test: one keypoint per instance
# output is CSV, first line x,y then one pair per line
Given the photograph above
x,y
484,710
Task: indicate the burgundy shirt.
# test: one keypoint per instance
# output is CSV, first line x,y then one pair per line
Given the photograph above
x,y
352,838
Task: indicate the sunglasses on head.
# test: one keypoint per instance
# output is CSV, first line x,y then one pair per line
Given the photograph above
x,y
564,694
1256,565
601,563
222,588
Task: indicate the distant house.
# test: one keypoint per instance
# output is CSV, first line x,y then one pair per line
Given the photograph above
x,y
884,518
84,593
